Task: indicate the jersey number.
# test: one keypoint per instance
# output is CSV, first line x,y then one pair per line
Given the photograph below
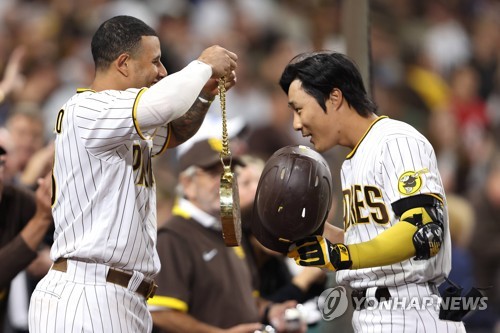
x,y
58,129
59,119
363,204
142,168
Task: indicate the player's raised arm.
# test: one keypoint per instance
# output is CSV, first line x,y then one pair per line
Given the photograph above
x,y
183,98
186,126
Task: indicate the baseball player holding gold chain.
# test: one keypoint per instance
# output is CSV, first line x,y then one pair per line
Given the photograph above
x,y
395,244
104,203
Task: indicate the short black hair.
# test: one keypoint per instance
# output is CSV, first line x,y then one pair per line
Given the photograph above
x,y
321,72
118,35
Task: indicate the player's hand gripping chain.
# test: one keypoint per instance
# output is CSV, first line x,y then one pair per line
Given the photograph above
x,y
318,251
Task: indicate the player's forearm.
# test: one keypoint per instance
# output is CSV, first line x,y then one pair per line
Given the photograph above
x,y
333,234
172,96
186,126
179,322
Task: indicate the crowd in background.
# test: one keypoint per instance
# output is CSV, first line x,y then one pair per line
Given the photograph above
x,y
434,64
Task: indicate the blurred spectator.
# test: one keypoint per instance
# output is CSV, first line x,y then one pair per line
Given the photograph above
x,y
466,104
462,224
480,152
486,41
24,222
445,41
452,158
423,79
485,247
25,125
12,78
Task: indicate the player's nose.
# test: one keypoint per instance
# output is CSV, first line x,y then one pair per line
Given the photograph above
x,y
297,124
162,72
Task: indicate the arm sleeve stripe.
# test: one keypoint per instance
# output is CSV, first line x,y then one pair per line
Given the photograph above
x,y
167,141
169,302
415,201
134,113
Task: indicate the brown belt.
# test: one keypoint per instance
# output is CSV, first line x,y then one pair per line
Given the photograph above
x,y
121,278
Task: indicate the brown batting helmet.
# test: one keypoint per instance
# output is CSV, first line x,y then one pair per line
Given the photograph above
x,y
293,198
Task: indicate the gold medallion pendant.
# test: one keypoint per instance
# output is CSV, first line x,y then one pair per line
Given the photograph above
x,y
229,196
230,208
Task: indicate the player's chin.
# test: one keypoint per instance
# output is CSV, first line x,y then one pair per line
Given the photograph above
x,y
321,147
317,145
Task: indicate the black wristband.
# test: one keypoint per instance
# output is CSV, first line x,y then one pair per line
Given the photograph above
x,y
265,315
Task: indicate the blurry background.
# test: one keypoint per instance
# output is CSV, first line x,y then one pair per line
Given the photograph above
x,y
432,63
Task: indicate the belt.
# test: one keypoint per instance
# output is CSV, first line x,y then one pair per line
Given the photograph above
x,y
359,300
121,278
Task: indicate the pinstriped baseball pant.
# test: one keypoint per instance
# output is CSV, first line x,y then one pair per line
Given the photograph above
x,y
405,316
80,300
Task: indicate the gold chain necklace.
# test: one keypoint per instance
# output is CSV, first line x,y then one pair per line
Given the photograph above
x,y
229,195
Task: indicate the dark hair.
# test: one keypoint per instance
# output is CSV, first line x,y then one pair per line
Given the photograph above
x,y
115,36
321,72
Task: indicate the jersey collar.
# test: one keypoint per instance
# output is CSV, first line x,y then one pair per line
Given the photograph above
x,y
351,154
80,90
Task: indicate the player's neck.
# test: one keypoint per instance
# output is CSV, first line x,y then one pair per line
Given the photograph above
x,y
359,126
104,81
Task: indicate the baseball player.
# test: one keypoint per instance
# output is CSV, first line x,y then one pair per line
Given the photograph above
x,y
395,244
104,203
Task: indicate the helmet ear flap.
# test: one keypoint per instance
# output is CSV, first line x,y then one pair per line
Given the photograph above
x,y
293,198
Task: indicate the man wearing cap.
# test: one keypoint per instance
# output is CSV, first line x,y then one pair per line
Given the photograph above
x,y
203,285
24,221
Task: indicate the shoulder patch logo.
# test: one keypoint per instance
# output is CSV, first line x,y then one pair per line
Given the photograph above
x,y
410,181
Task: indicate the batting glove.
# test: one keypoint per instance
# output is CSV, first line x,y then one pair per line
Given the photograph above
x,y
318,251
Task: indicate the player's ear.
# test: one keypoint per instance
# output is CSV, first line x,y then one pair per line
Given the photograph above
x,y
122,64
336,98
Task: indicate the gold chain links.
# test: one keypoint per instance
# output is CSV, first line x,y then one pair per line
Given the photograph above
x,y
225,137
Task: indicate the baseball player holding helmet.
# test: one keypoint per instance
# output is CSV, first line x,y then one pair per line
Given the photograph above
x,y
395,244
104,202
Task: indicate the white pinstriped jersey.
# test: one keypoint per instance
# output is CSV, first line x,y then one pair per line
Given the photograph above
x,y
105,204
392,161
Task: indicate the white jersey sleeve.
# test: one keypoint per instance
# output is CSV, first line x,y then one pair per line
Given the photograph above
x,y
171,97
409,168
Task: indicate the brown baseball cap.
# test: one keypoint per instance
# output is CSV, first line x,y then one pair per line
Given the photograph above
x,y
205,154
